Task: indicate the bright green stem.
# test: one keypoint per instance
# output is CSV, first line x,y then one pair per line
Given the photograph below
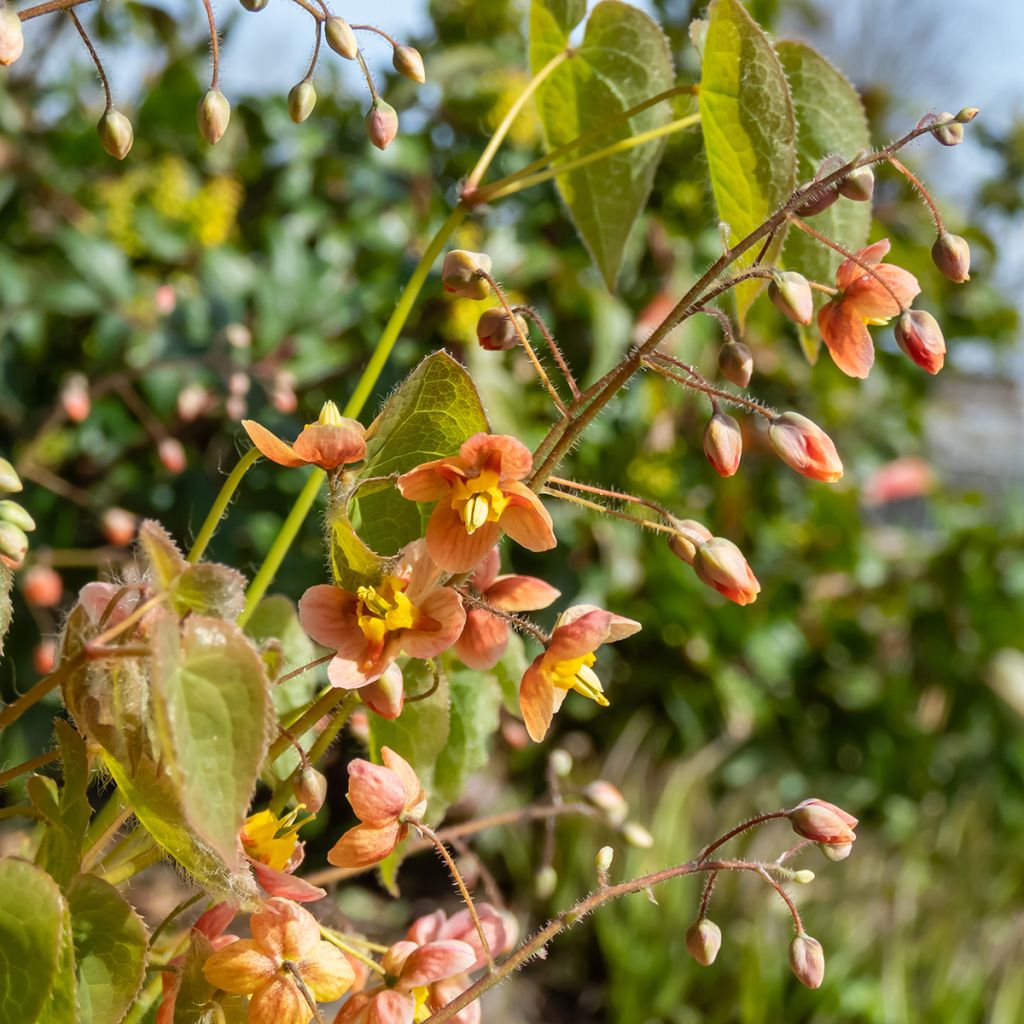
x,y
216,513
323,705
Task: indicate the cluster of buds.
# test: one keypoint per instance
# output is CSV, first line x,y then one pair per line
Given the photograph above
x,y
15,522
858,185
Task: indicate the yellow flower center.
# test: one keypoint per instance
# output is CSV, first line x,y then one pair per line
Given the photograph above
x,y
576,674
384,608
877,321
422,1011
329,416
271,840
479,500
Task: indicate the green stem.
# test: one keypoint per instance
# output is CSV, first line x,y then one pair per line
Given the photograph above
x,y
323,705
28,766
216,513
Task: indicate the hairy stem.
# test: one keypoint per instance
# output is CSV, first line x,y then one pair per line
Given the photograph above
x,y
108,99
214,45
29,766
220,504
530,313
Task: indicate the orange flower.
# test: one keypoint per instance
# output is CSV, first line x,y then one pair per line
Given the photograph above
x,y
405,612
863,300
566,664
485,635
285,948
479,494
384,797
272,847
823,822
331,442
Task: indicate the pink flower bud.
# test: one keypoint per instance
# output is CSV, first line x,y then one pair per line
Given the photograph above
x,y
721,565
239,383
172,455
235,407
822,201
723,443
44,657
340,37
301,101
12,42
607,799
688,537
858,185
193,401
74,397
381,123
949,134
736,362
791,294
459,274
807,959
822,822
165,299
496,331
408,61
212,115
952,255
919,336
42,586
703,941
310,788
118,527
805,447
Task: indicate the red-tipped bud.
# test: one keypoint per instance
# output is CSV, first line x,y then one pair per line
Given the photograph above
x,y
408,61
255,6
172,455
688,537
952,255
44,657
118,527
723,443
919,336
703,941
805,447
10,482
310,788
12,42
381,123
721,565
459,274
13,544
858,185
42,586
822,822
340,37
496,331
74,397
949,134
736,362
807,959
301,101
792,296
12,512
212,115
116,134
608,800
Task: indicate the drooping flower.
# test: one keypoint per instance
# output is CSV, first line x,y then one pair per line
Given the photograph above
x,y
566,664
721,565
384,797
822,822
479,495
485,636
919,336
274,851
404,612
864,300
331,442
804,446
285,948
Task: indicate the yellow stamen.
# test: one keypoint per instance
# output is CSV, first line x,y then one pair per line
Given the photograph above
x,y
271,840
330,415
479,500
877,321
422,1011
576,674
384,608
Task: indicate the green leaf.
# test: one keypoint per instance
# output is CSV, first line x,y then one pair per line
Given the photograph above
x,y
509,673
61,1004
831,120
33,940
749,132
110,950
353,564
433,411
624,59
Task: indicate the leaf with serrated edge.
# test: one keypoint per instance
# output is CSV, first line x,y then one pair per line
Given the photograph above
x,y
624,59
749,132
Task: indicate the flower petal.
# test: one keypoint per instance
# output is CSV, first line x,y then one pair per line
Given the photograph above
x,y
285,885
271,446
427,928
241,967
331,445
327,614
584,627
364,845
375,792
442,607
284,930
525,518
214,922
426,482
506,454
391,1007
483,640
849,271
450,546
537,700
280,1002
386,695
436,960
847,338
410,780
327,972
355,1009
521,594
871,298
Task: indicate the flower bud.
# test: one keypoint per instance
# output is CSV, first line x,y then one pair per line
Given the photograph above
x,y
74,397
858,185
919,336
703,941
239,383
723,443
688,537
116,133
310,788
12,42
236,407
792,296
822,822
721,565
408,61
301,101
496,331
12,512
807,959
10,482
340,37
603,860
238,336
826,197
545,882
255,6
13,544
44,657
804,877
459,274
952,255
42,586
805,447
118,527
636,835
213,115
607,799
836,851
949,134
736,362
193,401
381,123
560,762
967,115
172,455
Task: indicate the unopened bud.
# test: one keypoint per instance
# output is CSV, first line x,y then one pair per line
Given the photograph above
x,y
301,101
44,657
636,835
949,134
310,788
193,401
967,115
213,115
836,851
807,959
74,397
603,860
12,512
822,822
255,6
545,883
238,336
42,586
340,37
688,537
703,941
560,762
381,123
919,336
723,443
13,544
822,201
459,274
239,383
952,255
804,446
736,362
118,527
607,799
12,42
721,565
496,331
858,185
10,482
359,726
791,294
236,407
172,455
116,134
804,877
408,61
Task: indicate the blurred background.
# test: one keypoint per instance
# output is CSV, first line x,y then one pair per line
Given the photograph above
x,y
881,668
